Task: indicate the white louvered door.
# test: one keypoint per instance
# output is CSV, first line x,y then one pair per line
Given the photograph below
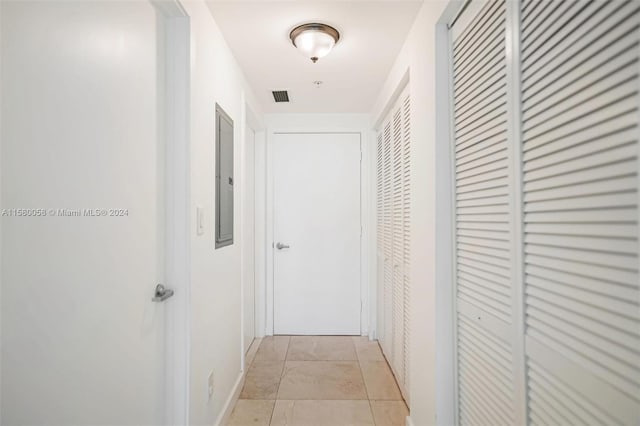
x,y
406,239
483,221
397,320
546,144
387,247
394,242
580,169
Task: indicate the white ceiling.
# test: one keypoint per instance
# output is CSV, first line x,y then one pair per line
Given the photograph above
x,y
372,33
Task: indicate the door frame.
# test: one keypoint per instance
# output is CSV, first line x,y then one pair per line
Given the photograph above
x,y
320,124
250,120
174,110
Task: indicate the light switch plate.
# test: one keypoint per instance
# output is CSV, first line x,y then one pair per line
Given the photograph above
x,y
199,220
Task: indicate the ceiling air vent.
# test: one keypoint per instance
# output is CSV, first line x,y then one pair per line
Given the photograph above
x,y
280,95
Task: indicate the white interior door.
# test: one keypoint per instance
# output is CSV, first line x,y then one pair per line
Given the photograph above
x,y
317,227
81,335
248,238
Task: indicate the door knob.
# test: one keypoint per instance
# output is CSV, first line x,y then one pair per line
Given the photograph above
x,y
161,294
281,246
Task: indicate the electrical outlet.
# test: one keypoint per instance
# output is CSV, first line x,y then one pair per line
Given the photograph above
x,y
210,385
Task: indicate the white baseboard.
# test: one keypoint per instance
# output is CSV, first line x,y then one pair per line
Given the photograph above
x,y
409,421
224,416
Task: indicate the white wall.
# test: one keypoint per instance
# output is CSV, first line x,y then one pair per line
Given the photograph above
x,y
314,123
431,319
80,336
215,275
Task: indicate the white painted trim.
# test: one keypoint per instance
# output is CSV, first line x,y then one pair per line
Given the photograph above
x,y
239,177
249,118
1,221
409,422
170,8
365,226
321,124
261,233
638,135
370,158
446,320
230,403
514,136
268,302
177,208
377,255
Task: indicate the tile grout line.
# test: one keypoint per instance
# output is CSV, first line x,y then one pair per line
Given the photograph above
x,y
284,363
386,362
373,417
357,359
248,367
393,375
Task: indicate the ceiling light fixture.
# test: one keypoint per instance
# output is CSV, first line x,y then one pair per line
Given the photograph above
x,y
314,40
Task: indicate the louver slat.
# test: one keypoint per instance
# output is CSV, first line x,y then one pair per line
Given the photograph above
x,y
580,150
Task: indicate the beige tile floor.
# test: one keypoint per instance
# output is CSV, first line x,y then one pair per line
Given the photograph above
x,y
318,381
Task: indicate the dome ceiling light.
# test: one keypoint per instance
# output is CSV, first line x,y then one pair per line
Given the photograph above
x,y
314,40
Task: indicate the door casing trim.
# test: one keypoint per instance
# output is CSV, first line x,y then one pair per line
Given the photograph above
x,y
175,110
321,124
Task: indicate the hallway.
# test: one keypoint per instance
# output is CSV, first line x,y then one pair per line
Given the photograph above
x,y
319,212
318,380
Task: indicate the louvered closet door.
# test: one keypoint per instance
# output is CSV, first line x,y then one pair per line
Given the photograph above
x,y
397,320
394,237
387,248
483,222
580,150
380,230
401,131
406,238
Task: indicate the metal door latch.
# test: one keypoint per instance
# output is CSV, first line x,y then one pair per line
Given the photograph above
x,y
162,293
